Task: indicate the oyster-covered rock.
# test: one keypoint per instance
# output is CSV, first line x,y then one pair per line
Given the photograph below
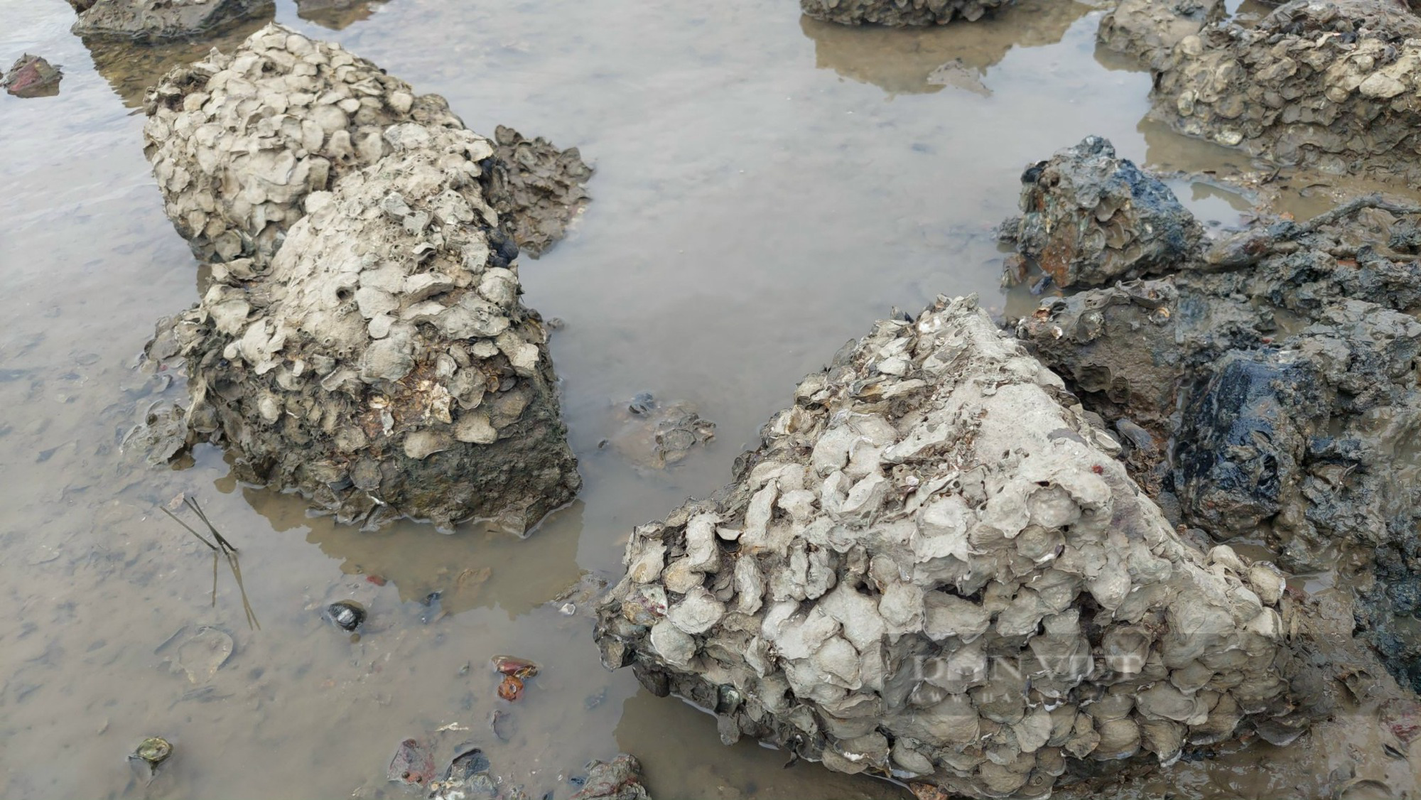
x,y
238,142
362,340
147,21
383,363
1090,218
936,570
1329,84
898,12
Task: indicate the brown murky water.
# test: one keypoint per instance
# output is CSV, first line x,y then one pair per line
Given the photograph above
x,y
766,187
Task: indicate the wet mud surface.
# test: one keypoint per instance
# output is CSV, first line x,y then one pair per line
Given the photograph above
x,y
765,190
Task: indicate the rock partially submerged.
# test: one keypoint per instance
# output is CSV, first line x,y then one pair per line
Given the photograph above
x,y
383,362
148,21
32,76
933,567
619,779
1270,389
362,340
898,12
1090,219
1329,84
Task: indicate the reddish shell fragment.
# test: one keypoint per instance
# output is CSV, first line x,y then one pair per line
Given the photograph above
x,y
511,689
518,667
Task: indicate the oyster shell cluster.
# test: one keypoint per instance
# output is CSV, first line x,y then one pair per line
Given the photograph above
x,y
1330,84
1090,219
933,567
150,21
898,12
362,340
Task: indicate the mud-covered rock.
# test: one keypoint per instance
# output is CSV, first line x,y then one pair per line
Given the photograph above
x,y
238,141
1329,84
1090,218
383,363
146,21
932,566
618,779
898,12
32,76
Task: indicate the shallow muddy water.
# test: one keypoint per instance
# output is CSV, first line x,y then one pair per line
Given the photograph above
x,y
766,187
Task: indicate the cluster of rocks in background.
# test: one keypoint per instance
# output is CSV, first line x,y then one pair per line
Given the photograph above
x,y
1149,30
336,14
150,21
1329,84
362,339
933,566
898,12
1269,388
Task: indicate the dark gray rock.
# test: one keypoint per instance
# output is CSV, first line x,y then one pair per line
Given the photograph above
x,y
1281,365
1090,218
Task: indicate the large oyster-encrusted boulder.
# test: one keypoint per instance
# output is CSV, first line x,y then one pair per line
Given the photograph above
x,y
383,362
1330,84
238,141
898,12
1090,218
147,21
932,565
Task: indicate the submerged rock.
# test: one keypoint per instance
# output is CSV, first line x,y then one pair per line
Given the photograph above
x,y
932,566
1329,84
898,12
1274,380
32,76
362,340
1090,218
655,435
147,21
619,779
